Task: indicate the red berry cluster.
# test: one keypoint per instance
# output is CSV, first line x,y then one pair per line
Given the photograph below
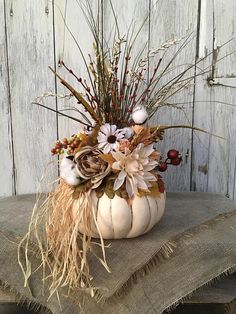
x,y
173,158
69,144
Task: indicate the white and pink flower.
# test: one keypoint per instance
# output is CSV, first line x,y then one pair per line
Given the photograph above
x,y
134,169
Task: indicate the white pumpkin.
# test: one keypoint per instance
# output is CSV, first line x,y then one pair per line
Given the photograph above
x,y
117,219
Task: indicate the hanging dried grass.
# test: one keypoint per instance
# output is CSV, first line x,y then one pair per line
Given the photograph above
x,y
62,248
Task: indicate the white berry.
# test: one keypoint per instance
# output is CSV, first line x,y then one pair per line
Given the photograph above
x,y
139,115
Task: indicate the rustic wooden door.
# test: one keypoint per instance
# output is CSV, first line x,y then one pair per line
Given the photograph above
x,y
214,160
34,35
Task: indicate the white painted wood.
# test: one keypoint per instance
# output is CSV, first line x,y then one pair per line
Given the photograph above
x,y
133,23
70,12
30,48
174,20
224,81
214,159
132,17
6,165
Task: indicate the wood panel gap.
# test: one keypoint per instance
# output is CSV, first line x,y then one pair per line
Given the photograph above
x,y
101,20
55,79
149,36
234,182
192,185
9,103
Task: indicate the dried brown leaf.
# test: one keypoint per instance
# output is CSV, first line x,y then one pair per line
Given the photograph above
x,y
108,158
81,188
142,193
154,190
122,192
142,136
110,193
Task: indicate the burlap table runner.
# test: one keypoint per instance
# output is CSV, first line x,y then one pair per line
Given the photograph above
x,y
194,243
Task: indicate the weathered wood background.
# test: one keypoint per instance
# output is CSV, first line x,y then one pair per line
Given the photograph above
x,y
33,35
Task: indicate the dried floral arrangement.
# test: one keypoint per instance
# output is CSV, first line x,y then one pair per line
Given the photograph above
x,y
115,155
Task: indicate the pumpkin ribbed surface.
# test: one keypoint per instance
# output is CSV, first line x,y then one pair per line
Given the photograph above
x,y
117,219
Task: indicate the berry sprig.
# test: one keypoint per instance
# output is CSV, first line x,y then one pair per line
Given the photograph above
x,y
173,158
69,144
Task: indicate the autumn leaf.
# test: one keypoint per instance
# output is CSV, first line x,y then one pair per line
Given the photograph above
x,y
99,193
83,137
83,187
154,190
137,128
142,136
121,192
142,193
157,133
110,193
108,158
83,142
101,189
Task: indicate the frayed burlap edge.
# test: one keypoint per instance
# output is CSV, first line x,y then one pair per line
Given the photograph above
x,y
165,252
209,283
20,299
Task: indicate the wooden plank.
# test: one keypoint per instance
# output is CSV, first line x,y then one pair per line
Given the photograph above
x,y
71,30
133,23
133,19
214,109
224,81
6,166
30,50
174,20
202,102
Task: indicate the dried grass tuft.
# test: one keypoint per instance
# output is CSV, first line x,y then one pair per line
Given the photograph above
x,y
63,250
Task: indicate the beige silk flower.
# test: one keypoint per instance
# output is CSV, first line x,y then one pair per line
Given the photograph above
x,y
134,169
90,166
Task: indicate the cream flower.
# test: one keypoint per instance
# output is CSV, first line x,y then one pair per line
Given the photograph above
x,y
108,137
134,168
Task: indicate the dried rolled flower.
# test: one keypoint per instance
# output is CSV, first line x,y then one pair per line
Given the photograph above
x,y
90,166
